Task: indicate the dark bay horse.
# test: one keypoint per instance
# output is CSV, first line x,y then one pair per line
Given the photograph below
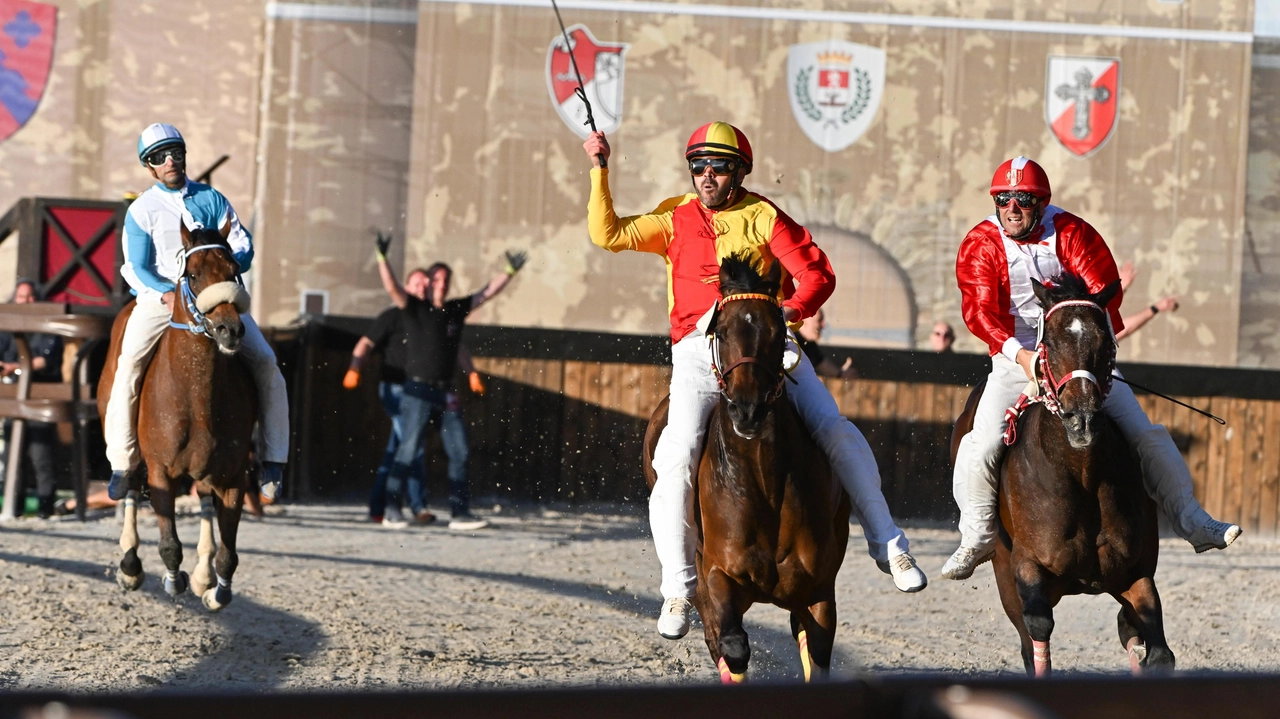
x,y
1074,516
773,522
196,411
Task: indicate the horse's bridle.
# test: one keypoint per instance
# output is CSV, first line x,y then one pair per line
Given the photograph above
x,y
772,395
199,322
1049,385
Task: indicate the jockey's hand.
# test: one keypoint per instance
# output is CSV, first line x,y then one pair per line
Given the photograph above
x,y
790,314
167,299
477,383
1027,361
596,145
352,379
381,244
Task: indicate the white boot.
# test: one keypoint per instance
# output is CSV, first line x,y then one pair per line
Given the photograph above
x,y
965,560
673,623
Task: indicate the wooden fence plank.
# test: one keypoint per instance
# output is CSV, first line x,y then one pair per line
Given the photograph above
x,y
1233,492
1269,481
1252,474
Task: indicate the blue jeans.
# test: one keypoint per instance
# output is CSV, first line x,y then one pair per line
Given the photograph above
x,y
419,404
390,394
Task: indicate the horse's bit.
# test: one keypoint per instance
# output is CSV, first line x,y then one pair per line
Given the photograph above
x,y
772,395
199,322
1049,385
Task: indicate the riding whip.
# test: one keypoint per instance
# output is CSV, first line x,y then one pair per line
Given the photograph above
x,y
1213,417
581,90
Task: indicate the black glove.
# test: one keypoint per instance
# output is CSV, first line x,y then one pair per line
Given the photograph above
x,y
516,260
382,244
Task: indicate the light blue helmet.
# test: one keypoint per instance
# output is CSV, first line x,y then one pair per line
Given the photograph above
x,y
156,136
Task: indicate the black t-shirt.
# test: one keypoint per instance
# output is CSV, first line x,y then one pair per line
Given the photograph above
x,y
811,350
434,334
388,336
42,345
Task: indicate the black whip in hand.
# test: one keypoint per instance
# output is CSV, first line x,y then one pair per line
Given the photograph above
x,y
581,91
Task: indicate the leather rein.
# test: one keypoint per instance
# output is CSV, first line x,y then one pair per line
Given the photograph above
x,y
772,395
1049,385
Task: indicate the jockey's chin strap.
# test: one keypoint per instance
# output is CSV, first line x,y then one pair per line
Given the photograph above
x,y
1049,385
772,395
199,322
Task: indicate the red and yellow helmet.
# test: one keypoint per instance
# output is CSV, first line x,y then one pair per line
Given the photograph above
x,y
719,138
1021,175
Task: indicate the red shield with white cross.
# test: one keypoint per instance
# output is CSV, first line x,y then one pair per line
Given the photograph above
x,y
601,65
1081,98
26,54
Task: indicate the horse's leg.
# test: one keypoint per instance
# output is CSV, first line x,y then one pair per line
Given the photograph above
x,y
1036,591
229,504
129,575
1142,628
202,575
815,632
175,580
731,643
1012,603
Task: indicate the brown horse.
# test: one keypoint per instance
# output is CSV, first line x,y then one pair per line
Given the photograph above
x,y
773,522
1074,516
195,419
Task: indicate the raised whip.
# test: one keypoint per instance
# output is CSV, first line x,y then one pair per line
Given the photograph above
x,y
581,91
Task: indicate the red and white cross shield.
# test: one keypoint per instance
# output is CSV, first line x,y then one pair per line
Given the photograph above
x,y
1081,97
602,67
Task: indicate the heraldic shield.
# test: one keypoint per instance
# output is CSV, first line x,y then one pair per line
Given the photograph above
x,y
26,54
1081,95
601,65
835,88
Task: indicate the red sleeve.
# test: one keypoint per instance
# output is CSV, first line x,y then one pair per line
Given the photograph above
x,y
805,262
984,307
1085,254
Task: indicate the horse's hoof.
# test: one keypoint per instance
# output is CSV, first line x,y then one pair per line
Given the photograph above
x,y
177,586
127,582
215,598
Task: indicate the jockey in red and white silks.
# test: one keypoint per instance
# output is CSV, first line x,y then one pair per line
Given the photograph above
x,y
1029,238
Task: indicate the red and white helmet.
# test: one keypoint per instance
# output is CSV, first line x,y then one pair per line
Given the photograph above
x,y
1022,175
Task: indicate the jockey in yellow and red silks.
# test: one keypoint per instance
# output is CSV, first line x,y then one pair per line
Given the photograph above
x,y
693,233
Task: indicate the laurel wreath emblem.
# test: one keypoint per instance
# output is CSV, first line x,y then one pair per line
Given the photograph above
x,y
861,95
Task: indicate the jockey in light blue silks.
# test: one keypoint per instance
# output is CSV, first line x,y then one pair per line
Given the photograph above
x,y
152,241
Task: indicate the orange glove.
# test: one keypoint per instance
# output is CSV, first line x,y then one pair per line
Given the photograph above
x,y
352,379
477,384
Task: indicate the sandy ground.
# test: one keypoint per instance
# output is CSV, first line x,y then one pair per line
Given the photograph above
x,y
327,601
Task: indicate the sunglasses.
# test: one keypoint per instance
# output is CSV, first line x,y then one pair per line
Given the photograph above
x,y
1025,200
158,158
721,166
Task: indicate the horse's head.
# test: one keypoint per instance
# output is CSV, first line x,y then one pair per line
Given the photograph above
x,y
1079,352
747,349
213,297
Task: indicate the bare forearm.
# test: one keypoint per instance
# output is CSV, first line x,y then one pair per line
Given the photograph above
x,y
491,290
391,284
464,360
359,354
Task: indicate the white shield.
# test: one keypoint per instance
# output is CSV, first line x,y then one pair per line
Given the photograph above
x,y
835,88
601,65
1081,101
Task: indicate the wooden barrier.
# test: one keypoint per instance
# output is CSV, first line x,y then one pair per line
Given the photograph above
x,y
569,429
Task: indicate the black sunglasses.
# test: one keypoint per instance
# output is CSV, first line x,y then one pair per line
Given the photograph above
x,y
719,165
1025,200
157,158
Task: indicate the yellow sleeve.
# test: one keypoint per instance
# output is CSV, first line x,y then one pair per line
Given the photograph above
x,y
643,233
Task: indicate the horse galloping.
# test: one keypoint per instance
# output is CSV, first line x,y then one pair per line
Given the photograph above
x,y
1074,515
773,522
196,411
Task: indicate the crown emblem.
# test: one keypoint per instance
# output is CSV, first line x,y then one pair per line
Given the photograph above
x,y
834,58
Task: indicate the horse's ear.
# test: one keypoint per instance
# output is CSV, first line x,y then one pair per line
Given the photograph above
x,y
1107,294
186,233
774,275
725,277
225,230
1042,292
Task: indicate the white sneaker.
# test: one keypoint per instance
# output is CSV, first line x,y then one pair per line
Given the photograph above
x,y
392,518
1214,535
673,623
907,577
965,560
467,523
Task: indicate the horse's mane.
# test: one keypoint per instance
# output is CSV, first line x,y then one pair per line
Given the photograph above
x,y
208,236
1066,286
738,275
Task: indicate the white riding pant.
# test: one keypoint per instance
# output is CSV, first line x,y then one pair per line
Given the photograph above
x,y
1164,473
694,394
148,322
